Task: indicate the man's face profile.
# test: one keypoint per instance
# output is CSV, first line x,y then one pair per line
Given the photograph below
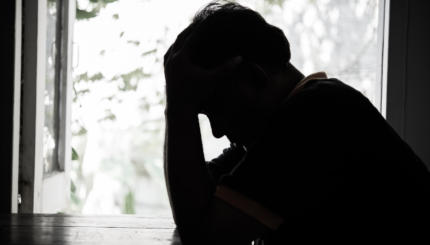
x,y
233,108
238,104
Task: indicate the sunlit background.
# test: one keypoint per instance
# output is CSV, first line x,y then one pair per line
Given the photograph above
x,y
118,104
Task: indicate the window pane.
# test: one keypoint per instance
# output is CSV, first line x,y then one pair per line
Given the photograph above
x,y
118,120
50,128
336,36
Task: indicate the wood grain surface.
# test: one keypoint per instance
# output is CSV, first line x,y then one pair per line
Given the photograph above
x,y
76,229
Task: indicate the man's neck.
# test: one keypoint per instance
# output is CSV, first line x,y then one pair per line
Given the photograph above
x,y
292,76
285,81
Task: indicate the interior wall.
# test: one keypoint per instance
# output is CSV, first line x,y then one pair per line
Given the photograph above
x,y
417,123
408,90
7,13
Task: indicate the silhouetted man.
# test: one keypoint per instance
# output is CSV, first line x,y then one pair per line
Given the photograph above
x,y
310,159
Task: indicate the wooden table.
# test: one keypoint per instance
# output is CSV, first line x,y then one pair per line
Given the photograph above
x,y
78,229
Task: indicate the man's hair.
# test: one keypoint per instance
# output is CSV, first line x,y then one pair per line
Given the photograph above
x,y
223,30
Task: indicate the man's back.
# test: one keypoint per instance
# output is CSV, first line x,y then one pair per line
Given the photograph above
x,y
331,166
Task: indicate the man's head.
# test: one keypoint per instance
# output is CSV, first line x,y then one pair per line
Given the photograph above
x,y
224,30
221,31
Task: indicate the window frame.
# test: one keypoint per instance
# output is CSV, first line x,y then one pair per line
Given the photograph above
x,y
16,106
384,18
41,192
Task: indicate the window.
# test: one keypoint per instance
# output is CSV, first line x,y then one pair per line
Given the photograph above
x,y
110,118
118,103
342,38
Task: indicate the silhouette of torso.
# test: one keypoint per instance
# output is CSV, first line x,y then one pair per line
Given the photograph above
x,y
332,167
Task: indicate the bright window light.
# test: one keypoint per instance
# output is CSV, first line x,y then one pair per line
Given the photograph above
x,y
118,105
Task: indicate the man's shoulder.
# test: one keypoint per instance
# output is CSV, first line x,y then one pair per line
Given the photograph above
x,y
324,110
328,96
329,86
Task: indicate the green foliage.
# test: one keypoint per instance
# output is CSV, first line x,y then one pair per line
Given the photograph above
x,y
72,186
109,116
81,131
94,9
84,14
152,51
75,200
275,2
129,203
85,78
75,155
135,42
125,82
81,92
131,79
96,77
73,196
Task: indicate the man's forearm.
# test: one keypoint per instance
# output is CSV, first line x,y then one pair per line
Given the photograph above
x,y
188,181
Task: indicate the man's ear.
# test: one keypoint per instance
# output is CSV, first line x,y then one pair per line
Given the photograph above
x,y
251,78
259,76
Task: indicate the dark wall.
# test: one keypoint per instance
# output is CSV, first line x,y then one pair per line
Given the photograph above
x,y
7,13
408,92
417,122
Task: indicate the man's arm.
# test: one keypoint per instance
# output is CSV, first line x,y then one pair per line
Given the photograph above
x,y
189,184
199,215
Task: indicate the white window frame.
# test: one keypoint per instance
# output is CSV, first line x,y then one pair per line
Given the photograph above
x,y
44,193
384,19
16,106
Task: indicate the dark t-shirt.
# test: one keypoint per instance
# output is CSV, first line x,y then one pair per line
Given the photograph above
x,y
331,167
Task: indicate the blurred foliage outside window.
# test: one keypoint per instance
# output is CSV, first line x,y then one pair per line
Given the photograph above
x,y
50,162
118,104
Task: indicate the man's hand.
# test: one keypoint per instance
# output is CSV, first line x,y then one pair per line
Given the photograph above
x,y
188,86
201,218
